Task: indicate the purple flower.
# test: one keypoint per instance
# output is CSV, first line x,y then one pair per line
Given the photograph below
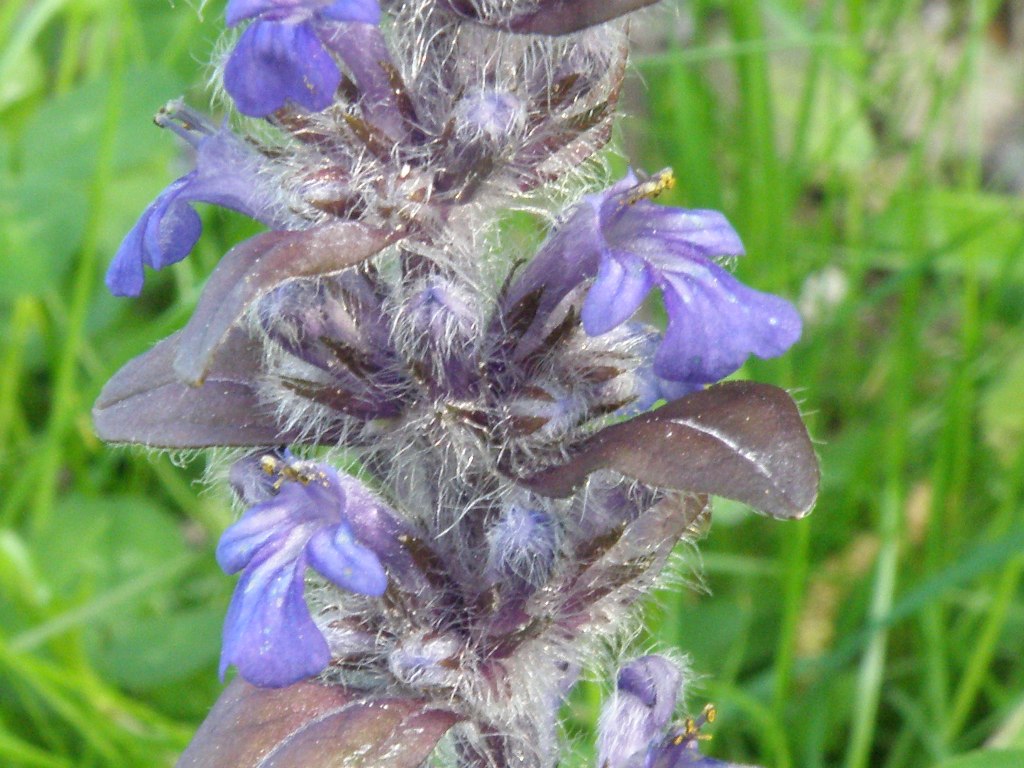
x,y
226,174
250,479
282,55
634,728
629,245
649,387
714,321
268,632
638,711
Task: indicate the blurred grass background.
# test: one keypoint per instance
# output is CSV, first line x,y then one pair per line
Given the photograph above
x,y
871,154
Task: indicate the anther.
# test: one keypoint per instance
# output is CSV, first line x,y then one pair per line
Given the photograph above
x,y
652,187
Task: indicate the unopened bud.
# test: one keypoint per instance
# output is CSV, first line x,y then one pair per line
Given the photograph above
x,y
493,115
522,545
638,711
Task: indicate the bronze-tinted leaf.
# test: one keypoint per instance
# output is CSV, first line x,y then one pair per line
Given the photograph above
x,y
310,725
556,17
147,403
562,17
642,548
741,440
251,269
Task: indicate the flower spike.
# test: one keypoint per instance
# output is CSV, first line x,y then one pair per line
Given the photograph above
x,y
542,448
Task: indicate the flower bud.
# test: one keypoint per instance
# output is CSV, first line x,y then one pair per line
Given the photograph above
x,y
335,326
522,546
442,311
308,319
489,114
638,711
437,329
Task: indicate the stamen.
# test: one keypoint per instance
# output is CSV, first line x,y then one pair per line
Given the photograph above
x,y
652,187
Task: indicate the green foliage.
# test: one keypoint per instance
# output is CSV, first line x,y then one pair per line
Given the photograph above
x,y
993,758
848,145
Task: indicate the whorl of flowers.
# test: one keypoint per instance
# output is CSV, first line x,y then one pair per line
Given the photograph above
x,y
513,490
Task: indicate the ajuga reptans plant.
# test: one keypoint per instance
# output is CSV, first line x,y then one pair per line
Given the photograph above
x,y
521,452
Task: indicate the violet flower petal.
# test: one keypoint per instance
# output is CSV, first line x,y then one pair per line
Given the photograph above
x,y
662,235
716,322
226,174
669,390
679,750
275,62
378,527
522,546
571,254
491,114
239,544
624,731
336,555
366,11
268,632
654,681
249,478
240,10
165,234
172,227
628,245
638,711
622,283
